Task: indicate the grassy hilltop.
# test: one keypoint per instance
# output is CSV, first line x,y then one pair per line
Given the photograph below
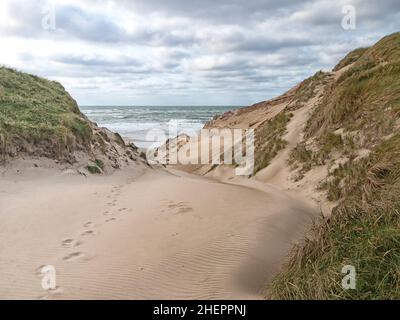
x,y
39,115
39,118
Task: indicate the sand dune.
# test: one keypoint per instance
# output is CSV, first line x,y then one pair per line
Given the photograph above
x,y
141,234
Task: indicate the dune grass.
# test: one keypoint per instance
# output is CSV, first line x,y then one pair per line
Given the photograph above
x,y
366,97
365,101
364,229
350,58
269,141
93,169
306,89
35,111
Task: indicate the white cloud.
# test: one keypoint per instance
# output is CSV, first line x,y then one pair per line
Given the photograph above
x,y
185,52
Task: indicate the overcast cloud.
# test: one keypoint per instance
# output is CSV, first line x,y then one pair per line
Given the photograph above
x,y
176,52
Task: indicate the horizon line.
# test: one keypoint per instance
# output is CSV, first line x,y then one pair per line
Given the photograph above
x,y
154,105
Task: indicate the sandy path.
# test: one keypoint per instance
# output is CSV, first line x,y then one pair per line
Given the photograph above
x,y
143,235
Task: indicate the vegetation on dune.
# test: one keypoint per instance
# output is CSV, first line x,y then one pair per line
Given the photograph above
x,y
269,136
351,57
364,229
93,169
307,89
364,104
99,163
96,167
366,97
39,114
119,139
269,140
39,118
301,157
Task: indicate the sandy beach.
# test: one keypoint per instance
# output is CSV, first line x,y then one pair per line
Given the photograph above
x,y
142,233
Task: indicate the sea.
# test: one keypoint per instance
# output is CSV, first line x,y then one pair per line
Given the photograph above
x,y
150,126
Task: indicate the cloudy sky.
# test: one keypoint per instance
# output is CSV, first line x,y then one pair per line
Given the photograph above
x,y
179,52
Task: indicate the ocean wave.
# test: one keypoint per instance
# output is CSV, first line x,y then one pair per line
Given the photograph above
x,y
140,123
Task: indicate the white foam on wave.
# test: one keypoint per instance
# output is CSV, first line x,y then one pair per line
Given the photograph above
x,y
138,124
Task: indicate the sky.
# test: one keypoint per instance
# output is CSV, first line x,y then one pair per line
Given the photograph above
x,y
180,52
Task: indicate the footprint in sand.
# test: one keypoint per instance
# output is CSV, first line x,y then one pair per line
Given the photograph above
x,y
107,213
73,256
88,224
122,209
111,219
179,207
69,243
88,233
78,255
183,210
173,205
38,271
116,192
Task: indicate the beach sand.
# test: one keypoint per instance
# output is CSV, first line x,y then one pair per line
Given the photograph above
x,y
142,233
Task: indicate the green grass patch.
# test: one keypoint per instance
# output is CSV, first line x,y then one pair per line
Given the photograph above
x,y
269,140
364,231
119,139
303,157
99,163
350,58
93,169
306,89
40,113
366,98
